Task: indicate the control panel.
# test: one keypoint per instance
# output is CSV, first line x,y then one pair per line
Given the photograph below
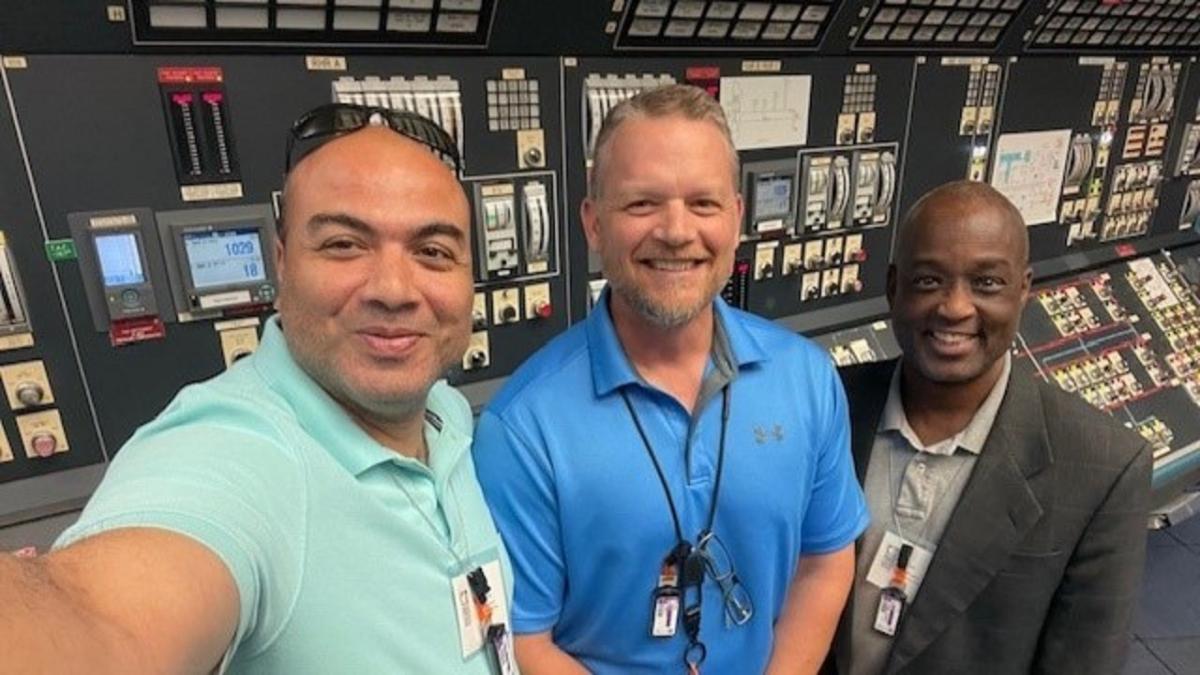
x,y
136,240
151,238
1126,338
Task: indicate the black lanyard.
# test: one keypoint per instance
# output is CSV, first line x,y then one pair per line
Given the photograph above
x,y
693,570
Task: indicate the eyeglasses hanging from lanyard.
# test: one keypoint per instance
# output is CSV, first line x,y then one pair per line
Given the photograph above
x,y
685,566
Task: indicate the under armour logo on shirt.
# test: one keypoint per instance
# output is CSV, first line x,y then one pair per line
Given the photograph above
x,y
762,434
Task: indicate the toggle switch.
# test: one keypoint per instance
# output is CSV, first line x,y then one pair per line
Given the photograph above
x,y
478,354
537,302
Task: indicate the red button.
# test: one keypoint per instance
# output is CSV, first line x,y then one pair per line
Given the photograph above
x,y
44,445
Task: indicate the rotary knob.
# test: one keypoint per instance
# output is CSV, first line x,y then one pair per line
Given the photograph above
x,y
478,320
508,314
30,393
477,358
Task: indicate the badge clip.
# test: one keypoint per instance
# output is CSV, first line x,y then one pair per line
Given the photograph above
x,y
893,598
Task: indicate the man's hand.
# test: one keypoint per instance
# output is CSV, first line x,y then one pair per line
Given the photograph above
x,y
135,600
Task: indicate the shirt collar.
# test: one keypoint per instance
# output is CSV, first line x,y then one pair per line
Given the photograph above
x,y
971,438
328,423
611,368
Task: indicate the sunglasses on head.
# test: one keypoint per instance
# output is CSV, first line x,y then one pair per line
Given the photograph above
x,y
333,120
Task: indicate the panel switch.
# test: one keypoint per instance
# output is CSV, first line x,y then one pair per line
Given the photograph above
x,y
537,302
478,353
26,385
505,304
42,434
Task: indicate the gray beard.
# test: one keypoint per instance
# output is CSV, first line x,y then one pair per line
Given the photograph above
x,y
657,315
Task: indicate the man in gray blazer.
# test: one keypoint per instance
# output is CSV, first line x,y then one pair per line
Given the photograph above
x,y
1008,517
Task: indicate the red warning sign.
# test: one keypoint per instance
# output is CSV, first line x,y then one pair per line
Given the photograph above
x,y
190,75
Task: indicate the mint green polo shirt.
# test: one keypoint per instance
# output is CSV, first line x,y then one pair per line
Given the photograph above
x,y
342,550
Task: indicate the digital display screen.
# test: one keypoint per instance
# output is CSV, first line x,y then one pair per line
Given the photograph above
x,y
226,257
120,264
772,196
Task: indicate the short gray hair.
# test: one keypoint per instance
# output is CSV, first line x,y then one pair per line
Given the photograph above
x,y
684,100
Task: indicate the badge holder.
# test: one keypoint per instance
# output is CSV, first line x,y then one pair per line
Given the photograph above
x,y
668,598
499,640
892,599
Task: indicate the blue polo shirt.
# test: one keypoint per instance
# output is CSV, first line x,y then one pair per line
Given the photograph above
x,y
584,516
341,549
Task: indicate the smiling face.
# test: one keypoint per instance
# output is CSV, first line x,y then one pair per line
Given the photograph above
x,y
665,217
375,271
958,284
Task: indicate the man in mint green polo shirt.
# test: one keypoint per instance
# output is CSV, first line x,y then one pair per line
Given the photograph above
x,y
314,509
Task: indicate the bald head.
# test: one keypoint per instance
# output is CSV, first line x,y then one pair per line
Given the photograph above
x,y
971,205
367,156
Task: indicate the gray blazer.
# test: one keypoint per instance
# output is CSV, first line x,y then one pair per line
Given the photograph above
x,y
1039,568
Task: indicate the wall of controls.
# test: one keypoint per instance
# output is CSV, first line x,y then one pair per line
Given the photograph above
x,y
142,142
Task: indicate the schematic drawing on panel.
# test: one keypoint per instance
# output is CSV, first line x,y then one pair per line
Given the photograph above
x,y
1028,168
767,111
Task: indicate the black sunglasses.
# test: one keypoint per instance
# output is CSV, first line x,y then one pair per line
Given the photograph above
x,y
332,120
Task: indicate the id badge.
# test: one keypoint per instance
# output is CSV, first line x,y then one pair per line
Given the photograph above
x,y
500,642
887,615
472,633
880,574
665,613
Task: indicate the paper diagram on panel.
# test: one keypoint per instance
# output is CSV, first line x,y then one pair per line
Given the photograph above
x,y
1028,169
767,111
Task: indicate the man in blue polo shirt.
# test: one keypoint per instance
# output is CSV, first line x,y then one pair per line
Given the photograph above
x,y
672,476
313,509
